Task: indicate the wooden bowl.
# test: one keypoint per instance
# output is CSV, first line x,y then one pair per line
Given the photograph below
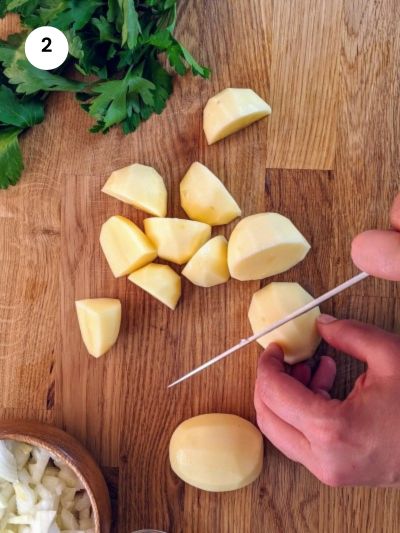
x,y
72,453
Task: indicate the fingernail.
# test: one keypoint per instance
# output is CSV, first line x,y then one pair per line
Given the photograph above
x,y
326,319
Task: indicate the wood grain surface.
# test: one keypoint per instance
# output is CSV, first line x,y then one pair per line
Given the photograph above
x,y
328,157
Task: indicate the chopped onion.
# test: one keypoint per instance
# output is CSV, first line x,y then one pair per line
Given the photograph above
x,y
39,493
8,464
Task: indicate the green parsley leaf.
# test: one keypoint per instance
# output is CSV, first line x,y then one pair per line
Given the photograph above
x,y
106,30
30,80
162,39
76,14
15,4
18,112
174,54
197,69
11,164
74,44
131,26
27,78
110,106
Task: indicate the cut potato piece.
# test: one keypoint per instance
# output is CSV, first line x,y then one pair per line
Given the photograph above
x,y
125,246
209,265
298,338
140,186
205,198
99,321
216,452
160,281
230,111
263,245
176,239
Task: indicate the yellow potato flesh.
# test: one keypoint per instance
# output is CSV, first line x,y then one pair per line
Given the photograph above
x,y
160,281
205,198
263,245
231,110
140,186
217,452
176,239
209,265
99,322
125,246
298,338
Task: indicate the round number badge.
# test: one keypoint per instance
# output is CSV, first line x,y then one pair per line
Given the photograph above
x,y
46,48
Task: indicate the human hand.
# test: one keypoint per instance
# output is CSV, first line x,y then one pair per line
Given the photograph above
x,y
350,442
378,252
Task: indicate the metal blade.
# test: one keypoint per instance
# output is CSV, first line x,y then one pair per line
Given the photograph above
x,y
275,325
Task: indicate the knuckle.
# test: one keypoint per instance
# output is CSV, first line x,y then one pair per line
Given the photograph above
x,y
331,431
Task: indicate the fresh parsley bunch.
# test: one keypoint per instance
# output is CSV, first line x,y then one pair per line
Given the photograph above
x,y
116,41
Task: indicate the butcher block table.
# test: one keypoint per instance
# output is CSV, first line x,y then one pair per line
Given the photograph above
x,y
328,158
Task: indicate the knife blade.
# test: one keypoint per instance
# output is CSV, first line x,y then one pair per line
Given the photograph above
x,y
298,312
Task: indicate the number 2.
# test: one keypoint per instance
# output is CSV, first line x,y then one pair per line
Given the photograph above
x,y
46,48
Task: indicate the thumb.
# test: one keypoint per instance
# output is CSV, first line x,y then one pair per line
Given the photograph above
x,y
378,348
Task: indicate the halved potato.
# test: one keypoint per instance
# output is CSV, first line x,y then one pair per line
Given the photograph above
x,y
217,452
140,186
230,111
176,239
298,338
205,198
263,245
125,246
209,265
99,321
160,281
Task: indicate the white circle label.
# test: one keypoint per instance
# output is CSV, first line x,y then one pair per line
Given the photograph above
x,y
46,48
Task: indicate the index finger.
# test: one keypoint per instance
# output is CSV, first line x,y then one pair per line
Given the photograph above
x,y
378,253
289,399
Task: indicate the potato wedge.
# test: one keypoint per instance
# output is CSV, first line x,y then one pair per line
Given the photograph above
x,y
160,281
125,246
99,322
230,111
209,265
205,198
298,338
263,245
140,186
176,239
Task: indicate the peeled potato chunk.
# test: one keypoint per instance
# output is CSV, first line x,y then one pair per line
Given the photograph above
x,y
140,186
205,198
216,452
160,281
99,321
230,111
263,245
125,246
176,239
209,265
298,338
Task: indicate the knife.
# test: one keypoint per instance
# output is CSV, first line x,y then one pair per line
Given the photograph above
x,y
275,325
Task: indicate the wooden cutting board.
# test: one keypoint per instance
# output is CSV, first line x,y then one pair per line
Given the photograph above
x,y
328,158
